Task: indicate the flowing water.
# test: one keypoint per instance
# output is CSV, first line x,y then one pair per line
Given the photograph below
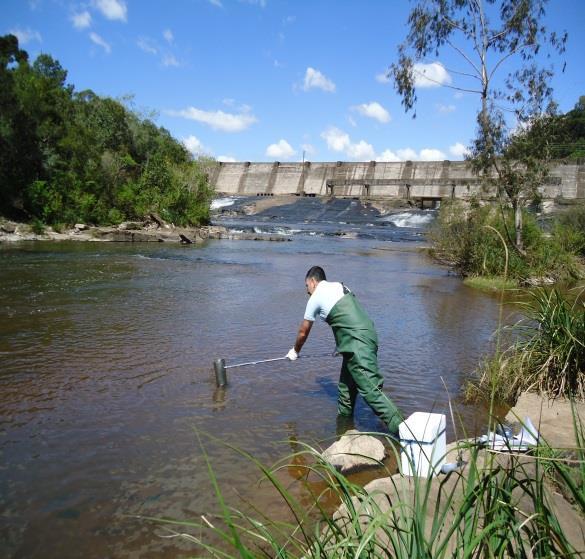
x,y
106,376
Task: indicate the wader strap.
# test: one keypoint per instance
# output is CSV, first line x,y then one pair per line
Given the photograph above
x,y
346,290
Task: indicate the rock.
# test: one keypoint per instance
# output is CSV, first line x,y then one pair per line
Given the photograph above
x,y
538,282
81,227
129,226
8,227
354,451
552,418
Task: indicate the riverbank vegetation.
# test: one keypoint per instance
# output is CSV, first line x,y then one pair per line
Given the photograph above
x,y
494,506
473,239
70,156
548,355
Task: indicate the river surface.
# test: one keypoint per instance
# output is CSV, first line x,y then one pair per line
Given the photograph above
x,y
106,376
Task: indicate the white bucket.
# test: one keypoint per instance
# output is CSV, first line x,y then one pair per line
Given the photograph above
x,y
424,444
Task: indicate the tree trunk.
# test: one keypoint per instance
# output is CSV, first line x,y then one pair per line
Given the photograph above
x,y
518,226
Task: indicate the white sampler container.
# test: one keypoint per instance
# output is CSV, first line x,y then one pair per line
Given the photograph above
x,y
424,444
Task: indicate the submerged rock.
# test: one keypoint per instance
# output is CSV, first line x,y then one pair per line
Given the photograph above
x,y
354,451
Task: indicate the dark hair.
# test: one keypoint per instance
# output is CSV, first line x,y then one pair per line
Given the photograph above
x,y
317,273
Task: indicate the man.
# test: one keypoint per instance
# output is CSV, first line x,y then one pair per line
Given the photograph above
x,y
356,340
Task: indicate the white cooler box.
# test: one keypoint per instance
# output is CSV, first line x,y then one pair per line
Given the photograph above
x,y
424,444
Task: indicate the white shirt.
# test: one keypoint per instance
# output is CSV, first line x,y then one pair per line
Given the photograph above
x,y
323,299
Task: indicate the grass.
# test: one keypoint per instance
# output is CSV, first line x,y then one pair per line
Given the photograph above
x,y
490,283
499,505
548,356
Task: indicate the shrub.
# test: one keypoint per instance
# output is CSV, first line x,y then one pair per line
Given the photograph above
x,y
463,237
548,356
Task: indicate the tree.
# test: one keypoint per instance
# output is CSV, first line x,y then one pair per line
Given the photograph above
x,y
568,141
500,44
18,151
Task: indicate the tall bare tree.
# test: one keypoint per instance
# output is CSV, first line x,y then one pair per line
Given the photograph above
x,y
504,54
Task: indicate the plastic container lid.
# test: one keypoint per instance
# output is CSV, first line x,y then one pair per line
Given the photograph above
x,y
422,427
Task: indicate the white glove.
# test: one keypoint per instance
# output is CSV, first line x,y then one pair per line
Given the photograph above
x,y
292,355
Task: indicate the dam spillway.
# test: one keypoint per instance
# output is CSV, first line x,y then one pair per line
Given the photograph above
x,y
406,179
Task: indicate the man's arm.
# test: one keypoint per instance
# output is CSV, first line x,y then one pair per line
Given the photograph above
x,y
303,334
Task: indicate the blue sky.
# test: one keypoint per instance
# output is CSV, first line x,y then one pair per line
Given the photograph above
x,y
266,80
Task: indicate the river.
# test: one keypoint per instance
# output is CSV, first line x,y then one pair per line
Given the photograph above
x,y
106,376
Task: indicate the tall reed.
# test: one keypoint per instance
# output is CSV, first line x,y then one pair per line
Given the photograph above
x,y
548,356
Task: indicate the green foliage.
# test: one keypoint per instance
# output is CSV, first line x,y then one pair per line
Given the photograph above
x,y
37,227
69,157
549,355
568,138
461,238
569,230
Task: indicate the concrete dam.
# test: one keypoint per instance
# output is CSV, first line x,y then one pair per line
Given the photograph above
x,y
411,180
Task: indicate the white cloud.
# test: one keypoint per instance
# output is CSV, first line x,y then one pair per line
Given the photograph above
x,y
218,120
194,145
169,60
112,9
352,121
445,109
100,42
309,149
27,35
407,154
388,155
382,77
316,80
168,35
458,150
226,158
261,3
429,154
288,20
362,151
216,3
430,75
81,20
280,150
147,45
373,110
337,140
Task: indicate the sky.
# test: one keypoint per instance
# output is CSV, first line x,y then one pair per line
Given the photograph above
x,y
273,80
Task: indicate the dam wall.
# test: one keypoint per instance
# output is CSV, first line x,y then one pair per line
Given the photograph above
x,y
406,179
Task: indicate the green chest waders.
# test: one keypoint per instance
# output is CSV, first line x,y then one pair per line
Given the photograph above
x,y
357,341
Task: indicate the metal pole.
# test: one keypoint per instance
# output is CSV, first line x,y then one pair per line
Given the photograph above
x,y
220,367
255,362
220,374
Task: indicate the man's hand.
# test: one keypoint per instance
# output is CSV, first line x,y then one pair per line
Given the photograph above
x,y
292,355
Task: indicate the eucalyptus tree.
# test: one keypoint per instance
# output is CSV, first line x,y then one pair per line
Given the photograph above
x,y
500,51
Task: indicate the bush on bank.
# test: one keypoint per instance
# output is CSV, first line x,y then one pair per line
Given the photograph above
x,y
462,237
548,356
70,156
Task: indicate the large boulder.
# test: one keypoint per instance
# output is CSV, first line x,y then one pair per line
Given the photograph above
x,y
354,451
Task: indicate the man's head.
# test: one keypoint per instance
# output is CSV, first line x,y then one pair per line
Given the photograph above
x,y
313,277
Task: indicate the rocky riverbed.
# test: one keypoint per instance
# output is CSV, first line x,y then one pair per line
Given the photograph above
x,y
150,230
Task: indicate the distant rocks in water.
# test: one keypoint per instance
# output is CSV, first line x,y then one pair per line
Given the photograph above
x,y
354,451
153,229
